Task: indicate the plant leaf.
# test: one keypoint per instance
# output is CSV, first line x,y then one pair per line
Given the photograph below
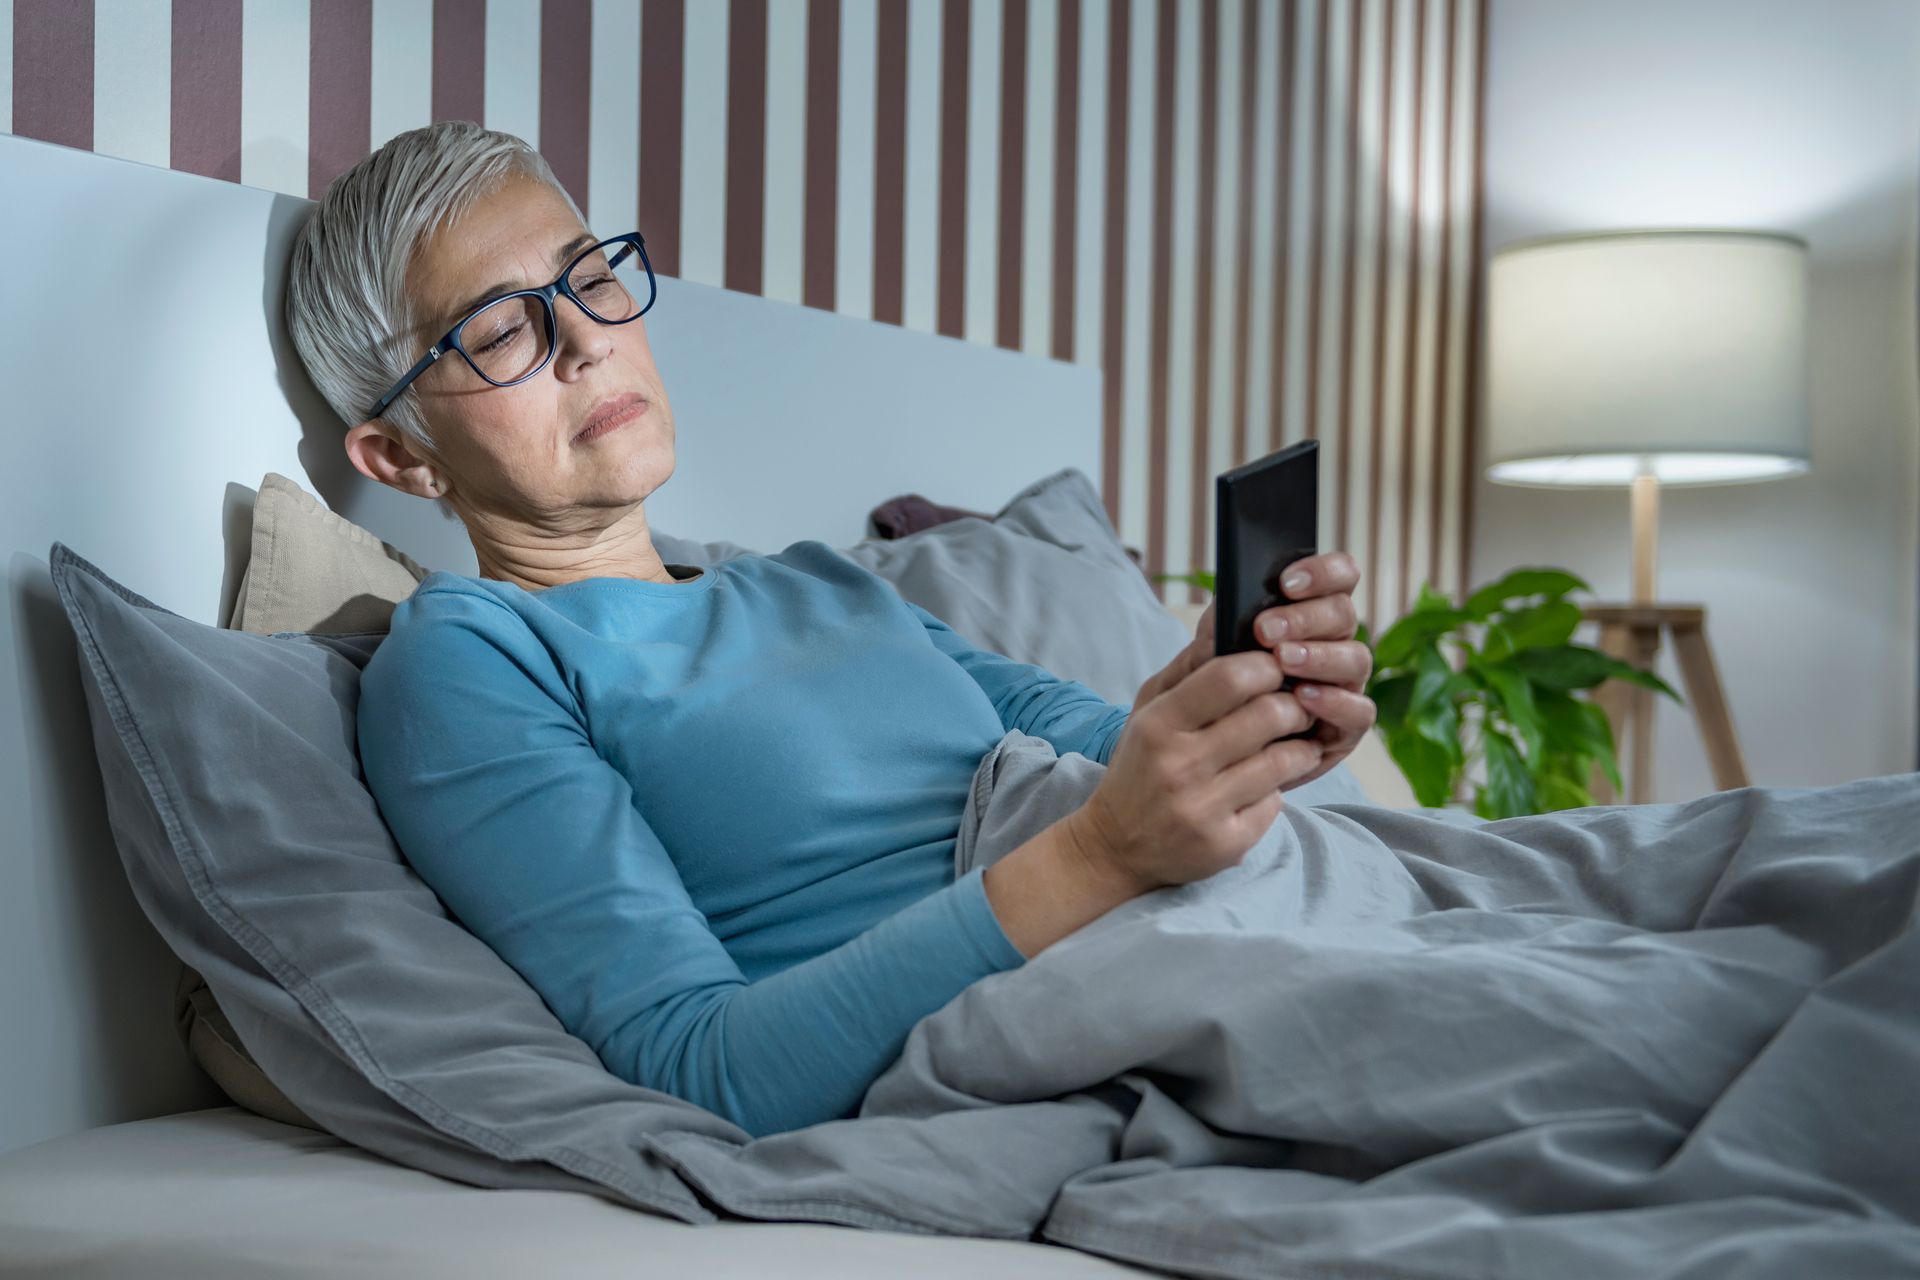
x,y
1391,696
1433,673
1557,792
1439,723
1516,699
1399,641
1425,764
1509,784
1634,675
1603,729
1498,645
1543,626
1575,666
1198,578
1431,601
1567,724
1520,584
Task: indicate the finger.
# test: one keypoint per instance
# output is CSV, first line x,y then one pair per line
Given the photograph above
x,y
1268,770
1250,726
1322,618
1219,686
1344,716
1341,662
1203,633
1184,663
1328,573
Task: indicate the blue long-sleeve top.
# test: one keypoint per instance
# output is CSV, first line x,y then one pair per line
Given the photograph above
x,y
711,821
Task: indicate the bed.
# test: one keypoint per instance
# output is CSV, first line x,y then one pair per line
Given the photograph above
x,y
1652,1041
152,386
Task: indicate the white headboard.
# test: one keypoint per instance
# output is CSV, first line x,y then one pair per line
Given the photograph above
x,y
149,388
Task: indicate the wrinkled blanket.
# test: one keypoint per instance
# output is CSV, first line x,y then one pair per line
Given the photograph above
x,y
1671,1040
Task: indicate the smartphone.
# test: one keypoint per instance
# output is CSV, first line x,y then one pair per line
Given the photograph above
x,y
1266,516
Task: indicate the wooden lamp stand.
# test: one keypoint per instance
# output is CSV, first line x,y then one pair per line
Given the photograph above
x,y
1631,632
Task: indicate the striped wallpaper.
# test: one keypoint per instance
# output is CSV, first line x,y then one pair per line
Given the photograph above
x,y
1258,217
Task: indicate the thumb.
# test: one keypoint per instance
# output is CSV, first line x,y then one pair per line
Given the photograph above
x,y
1198,651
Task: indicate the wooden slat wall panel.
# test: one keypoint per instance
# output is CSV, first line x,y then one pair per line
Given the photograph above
x,y
1259,217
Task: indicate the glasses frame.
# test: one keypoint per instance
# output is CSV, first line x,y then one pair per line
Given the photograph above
x,y
450,341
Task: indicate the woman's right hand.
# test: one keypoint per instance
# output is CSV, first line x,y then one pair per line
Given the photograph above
x,y
1195,778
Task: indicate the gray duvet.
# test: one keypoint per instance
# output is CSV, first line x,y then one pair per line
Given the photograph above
x,y
1652,1041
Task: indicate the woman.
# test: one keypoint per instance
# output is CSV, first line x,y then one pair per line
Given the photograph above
x,y
709,814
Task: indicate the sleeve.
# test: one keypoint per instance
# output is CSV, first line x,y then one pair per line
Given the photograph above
x,y
1032,699
472,744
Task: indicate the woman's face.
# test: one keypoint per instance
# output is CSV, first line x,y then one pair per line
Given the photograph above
x,y
510,453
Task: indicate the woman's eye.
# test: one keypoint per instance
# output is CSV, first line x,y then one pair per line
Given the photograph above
x,y
505,337
594,282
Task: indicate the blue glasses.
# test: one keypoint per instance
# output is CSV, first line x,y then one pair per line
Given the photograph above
x,y
512,337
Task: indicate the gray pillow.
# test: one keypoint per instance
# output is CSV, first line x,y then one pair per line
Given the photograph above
x,y
1044,581
1048,581
236,801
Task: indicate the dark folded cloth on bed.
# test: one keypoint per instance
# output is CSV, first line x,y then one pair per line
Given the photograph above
x,y
910,513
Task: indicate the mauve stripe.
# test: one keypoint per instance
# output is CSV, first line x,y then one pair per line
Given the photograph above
x,y
205,108
339,90
1317,207
1282,264
1243,242
1443,321
1113,301
1380,273
746,143
952,302
889,160
1208,176
1013,168
823,154
1475,310
1340,422
53,72
663,48
1066,174
566,92
1410,364
459,60
1160,354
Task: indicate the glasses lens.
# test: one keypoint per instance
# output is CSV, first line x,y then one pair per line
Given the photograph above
x,y
611,282
508,339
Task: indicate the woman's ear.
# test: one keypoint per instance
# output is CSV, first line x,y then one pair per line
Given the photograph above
x,y
378,453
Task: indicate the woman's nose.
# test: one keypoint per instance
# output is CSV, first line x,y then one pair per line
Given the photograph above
x,y
583,340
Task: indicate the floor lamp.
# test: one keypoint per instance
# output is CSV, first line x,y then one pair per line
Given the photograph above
x,y
1650,359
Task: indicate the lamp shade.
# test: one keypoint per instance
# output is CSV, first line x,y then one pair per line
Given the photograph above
x,y
1681,353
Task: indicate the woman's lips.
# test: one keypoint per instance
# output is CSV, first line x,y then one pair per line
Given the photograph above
x,y
613,421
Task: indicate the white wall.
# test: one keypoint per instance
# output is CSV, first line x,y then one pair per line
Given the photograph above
x,y
1796,115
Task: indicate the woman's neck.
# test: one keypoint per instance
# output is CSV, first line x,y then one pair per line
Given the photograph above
x,y
535,559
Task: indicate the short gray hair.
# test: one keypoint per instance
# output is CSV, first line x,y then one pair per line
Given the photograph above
x,y
347,310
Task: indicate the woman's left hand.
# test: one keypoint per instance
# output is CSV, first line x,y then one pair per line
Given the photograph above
x,y
1315,643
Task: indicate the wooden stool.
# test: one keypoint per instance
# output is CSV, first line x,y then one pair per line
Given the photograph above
x,y
1631,632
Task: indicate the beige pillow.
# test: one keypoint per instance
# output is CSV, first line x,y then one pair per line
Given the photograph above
x,y
309,569
314,570
212,1042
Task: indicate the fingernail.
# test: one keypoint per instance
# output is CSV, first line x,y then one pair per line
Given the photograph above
x,y
1272,629
1294,582
1293,653
1311,692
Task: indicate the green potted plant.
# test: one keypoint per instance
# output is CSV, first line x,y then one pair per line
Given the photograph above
x,y
1508,694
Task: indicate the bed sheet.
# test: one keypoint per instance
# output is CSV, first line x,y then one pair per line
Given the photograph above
x,y
226,1193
